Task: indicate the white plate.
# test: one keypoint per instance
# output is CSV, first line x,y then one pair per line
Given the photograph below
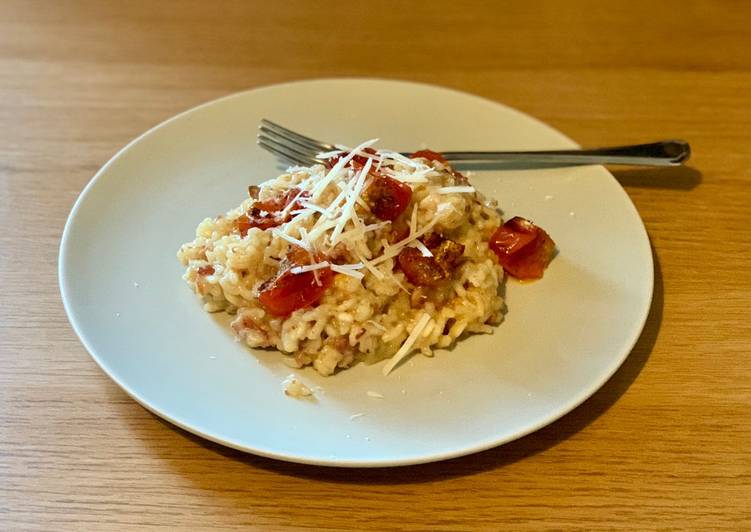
x,y
562,338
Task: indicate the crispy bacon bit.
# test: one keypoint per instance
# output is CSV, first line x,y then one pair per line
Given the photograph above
x,y
432,240
205,270
429,271
388,198
288,292
447,254
420,271
523,249
266,214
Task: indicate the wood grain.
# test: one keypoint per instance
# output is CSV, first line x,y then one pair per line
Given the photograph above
x,y
665,444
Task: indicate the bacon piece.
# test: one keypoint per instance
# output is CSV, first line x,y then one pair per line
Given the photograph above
x,y
267,213
205,270
447,254
420,271
429,271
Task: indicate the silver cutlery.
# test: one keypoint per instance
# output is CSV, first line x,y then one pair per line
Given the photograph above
x,y
300,149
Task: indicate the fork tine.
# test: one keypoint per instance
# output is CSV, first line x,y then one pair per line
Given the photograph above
x,y
285,152
294,144
302,153
301,139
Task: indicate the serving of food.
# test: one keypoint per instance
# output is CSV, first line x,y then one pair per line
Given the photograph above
x,y
370,255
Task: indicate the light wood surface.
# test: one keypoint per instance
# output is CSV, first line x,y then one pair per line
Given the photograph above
x,y
663,445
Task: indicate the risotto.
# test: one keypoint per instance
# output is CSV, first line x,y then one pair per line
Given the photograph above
x,y
370,256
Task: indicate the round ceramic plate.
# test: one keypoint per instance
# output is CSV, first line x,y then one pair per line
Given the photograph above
x,y
562,338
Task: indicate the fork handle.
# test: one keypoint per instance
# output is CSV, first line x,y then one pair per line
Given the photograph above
x,y
663,153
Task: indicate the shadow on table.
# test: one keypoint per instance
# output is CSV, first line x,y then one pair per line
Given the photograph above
x,y
674,177
495,458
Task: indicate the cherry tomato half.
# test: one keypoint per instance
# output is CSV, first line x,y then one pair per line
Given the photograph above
x,y
289,291
523,249
388,198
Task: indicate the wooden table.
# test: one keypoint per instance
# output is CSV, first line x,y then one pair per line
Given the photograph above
x,y
664,444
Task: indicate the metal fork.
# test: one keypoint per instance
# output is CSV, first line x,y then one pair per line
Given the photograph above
x,y
302,150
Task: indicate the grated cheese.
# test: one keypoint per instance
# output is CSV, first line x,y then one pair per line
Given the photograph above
x,y
338,167
347,271
314,207
378,274
329,154
291,239
408,344
348,211
310,267
340,221
422,247
396,248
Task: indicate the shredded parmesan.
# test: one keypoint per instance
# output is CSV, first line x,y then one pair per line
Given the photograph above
x,y
338,167
422,247
292,240
329,154
310,267
347,271
314,207
394,250
348,211
406,347
378,274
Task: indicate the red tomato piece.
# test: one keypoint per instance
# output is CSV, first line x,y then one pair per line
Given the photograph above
x,y
288,291
430,155
523,249
388,198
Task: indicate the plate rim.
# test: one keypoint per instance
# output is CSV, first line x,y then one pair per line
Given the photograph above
x,y
489,443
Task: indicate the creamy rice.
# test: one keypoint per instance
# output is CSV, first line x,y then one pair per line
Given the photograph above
x,y
356,319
